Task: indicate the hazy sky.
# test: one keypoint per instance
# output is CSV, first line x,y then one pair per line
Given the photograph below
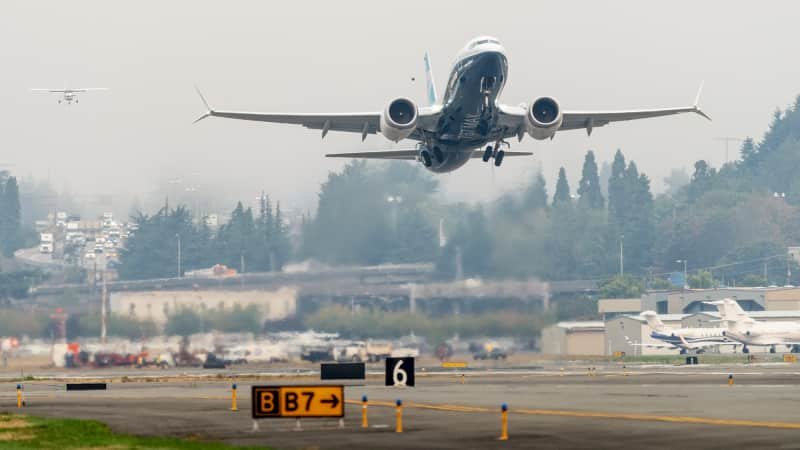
x,y
354,56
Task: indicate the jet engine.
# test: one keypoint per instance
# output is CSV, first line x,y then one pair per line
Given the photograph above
x,y
399,119
544,118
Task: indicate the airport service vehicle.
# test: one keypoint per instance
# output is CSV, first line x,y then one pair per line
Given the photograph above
x,y
494,353
452,130
90,255
317,353
46,243
69,95
685,339
378,350
355,351
742,328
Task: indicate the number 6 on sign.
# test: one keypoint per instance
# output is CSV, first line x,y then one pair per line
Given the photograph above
x,y
400,371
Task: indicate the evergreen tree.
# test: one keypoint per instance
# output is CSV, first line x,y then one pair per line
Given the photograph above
x,y
748,150
702,180
590,195
280,244
562,195
617,203
535,196
10,217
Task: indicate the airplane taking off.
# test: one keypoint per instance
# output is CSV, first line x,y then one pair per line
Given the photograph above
x,y
685,339
743,328
69,95
454,129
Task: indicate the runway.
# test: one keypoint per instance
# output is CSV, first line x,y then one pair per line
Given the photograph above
x,y
648,407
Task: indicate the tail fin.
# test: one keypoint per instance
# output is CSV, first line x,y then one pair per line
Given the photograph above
x,y
730,311
431,85
653,321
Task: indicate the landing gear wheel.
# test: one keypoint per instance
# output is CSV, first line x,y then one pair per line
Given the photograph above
x,y
745,350
487,154
772,349
498,158
438,154
426,158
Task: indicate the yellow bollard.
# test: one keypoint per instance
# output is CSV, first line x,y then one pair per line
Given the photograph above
x,y
19,396
504,422
233,398
730,380
364,422
399,428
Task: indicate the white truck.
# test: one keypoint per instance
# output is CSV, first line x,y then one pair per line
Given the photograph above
x,y
360,351
46,243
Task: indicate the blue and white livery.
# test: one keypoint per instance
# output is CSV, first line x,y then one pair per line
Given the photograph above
x,y
467,122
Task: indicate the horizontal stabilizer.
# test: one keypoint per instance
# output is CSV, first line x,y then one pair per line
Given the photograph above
x,y
409,155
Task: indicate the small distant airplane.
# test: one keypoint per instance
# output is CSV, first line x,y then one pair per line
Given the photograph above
x,y
685,339
69,95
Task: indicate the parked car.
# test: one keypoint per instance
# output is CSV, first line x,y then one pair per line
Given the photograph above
x,y
494,353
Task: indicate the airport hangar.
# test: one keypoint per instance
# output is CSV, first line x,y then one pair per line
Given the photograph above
x,y
620,327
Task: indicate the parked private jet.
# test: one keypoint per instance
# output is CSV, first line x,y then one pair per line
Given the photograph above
x,y
685,339
742,328
455,128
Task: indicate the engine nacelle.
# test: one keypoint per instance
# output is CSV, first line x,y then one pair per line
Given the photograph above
x,y
544,118
399,119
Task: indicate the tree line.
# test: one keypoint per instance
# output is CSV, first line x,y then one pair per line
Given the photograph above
x,y
170,242
12,236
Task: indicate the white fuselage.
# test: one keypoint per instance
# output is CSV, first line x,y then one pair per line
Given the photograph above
x,y
765,333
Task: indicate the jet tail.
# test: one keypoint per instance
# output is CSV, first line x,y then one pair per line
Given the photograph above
x,y
653,321
730,311
430,87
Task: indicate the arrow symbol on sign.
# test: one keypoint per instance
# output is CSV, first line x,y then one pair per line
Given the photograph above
x,y
334,401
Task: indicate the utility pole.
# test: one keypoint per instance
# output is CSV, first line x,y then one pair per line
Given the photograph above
x,y
621,255
728,140
179,255
103,298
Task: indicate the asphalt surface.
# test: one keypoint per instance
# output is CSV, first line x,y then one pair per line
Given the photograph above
x,y
646,407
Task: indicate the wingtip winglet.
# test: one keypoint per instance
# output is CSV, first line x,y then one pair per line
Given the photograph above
x,y
696,104
209,110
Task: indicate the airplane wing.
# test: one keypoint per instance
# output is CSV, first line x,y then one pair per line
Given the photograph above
x,y
512,118
364,122
409,155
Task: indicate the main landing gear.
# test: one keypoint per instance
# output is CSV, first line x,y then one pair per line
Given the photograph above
x,y
495,152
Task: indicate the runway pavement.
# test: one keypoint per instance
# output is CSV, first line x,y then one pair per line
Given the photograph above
x,y
649,407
